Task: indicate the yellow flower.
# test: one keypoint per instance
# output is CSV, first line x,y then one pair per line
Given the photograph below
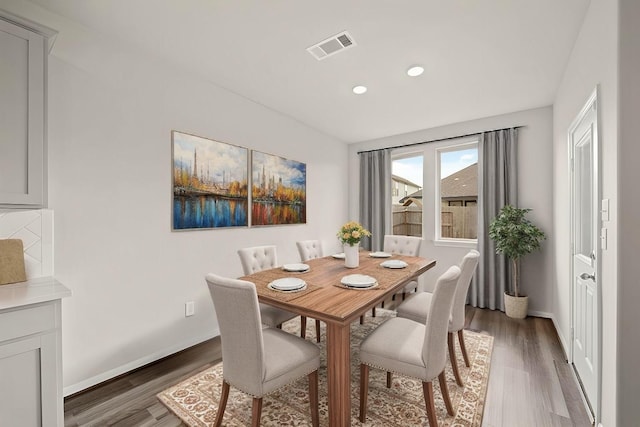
x,y
355,234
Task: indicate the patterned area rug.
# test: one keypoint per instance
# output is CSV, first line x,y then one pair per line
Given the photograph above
x,y
195,400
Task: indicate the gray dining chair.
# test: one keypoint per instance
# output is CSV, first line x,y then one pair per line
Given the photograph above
x,y
258,258
257,361
416,350
310,249
417,308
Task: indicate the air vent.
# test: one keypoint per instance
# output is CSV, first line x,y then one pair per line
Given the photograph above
x,y
331,46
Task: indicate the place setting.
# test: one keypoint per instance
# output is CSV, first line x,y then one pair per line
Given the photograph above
x,y
296,268
394,264
380,254
358,282
288,284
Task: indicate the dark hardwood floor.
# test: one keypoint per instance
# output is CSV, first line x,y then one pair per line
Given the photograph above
x,y
530,383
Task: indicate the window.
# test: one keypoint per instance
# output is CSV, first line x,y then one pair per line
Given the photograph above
x,y
457,192
407,176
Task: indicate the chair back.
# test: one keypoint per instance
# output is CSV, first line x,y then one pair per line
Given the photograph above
x,y
309,249
402,245
258,258
434,349
467,267
236,304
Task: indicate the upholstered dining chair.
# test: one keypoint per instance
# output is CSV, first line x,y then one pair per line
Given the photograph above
x,y
417,308
403,245
258,258
310,249
400,245
257,361
413,349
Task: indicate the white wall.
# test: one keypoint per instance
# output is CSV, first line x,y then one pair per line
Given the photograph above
x,y
534,191
111,111
592,62
628,375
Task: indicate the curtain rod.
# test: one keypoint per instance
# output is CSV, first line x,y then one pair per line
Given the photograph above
x,y
438,140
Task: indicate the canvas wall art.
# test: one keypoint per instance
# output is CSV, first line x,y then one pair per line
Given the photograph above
x,y
210,183
278,190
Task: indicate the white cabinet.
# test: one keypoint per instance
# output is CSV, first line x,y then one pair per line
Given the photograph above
x,y
23,71
30,353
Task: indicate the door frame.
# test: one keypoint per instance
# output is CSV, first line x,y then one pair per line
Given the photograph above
x,y
594,406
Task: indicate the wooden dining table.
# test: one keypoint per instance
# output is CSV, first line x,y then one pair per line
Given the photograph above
x,y
326,299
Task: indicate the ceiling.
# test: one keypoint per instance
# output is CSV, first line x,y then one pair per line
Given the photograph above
x,y
481,57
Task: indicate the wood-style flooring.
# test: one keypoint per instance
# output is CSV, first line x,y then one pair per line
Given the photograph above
x,y
530,383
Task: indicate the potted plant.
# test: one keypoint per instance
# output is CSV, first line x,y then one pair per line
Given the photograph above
x,y
515,236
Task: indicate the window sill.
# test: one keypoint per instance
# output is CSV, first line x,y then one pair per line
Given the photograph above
x,y
457,243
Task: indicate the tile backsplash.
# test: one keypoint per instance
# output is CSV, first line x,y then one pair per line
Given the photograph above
x,y
35,229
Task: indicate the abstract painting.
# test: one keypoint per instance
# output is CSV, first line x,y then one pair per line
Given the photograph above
x,y
210,187
278,190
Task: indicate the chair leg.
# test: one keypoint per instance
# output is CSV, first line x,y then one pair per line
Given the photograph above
x,y
256,411
452,357
223,404
373,312
303,326
362,320
427,389
382,305
445,393
404,295
317,330
313,398
463,348
389,378
364,391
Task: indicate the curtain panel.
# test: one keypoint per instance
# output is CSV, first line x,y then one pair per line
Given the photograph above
x,y
375,196
498,186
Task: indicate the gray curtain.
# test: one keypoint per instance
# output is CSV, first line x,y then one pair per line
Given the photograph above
x,y
375,196
498,186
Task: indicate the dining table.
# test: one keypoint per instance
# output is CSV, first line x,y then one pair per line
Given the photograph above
x,y
327,299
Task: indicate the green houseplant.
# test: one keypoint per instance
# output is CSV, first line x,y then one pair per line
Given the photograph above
x,y
515,236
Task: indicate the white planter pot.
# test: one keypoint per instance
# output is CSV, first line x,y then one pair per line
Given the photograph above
x,y
351,255
516,307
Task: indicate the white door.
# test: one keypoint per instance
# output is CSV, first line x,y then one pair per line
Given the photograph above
x,y
583,139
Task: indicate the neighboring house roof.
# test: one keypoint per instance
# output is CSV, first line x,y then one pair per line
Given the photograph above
x,y
404,181
407,200
463,183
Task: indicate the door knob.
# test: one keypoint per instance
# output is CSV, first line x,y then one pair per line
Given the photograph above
x,y
587,276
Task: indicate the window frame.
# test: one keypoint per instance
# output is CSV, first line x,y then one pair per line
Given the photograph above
x,y
458,144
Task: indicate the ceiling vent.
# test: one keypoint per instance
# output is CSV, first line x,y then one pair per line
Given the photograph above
x,y
331,46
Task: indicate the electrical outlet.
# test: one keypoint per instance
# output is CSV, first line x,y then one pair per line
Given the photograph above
x,y
189,308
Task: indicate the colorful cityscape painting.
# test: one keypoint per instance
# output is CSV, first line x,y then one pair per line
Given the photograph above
x,y
210,187
278,190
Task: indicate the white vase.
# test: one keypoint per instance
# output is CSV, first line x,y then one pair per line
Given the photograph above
x,y
351,256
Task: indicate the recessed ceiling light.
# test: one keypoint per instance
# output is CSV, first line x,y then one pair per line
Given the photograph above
x,y
359,90
415,71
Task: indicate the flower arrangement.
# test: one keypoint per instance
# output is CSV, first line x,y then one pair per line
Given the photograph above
x,y
352,232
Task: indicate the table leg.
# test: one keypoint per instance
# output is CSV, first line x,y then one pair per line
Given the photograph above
x,y
339,374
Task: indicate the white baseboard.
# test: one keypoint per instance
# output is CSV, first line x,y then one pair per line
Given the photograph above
x,y
90,382
540,314
563,341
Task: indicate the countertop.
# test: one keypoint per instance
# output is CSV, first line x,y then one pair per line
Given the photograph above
x,y
33,291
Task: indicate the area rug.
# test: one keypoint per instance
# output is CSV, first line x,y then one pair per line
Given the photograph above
x,y
195,400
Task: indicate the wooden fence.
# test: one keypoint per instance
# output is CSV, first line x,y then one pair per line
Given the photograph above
x,y
407,221
459,222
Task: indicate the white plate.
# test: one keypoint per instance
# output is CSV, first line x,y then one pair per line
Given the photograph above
x,y
379,254
338,256
287,284
394,263
358,281
295,267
